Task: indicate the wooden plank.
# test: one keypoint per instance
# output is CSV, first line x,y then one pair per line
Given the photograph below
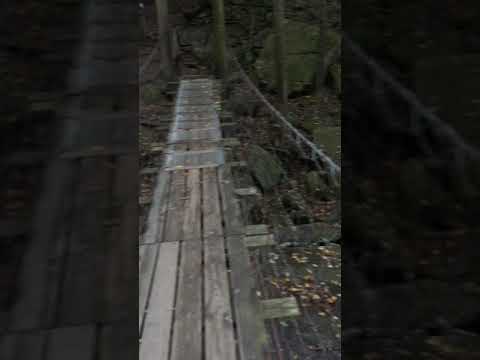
x,y
187,334
188,125
251,331
258,229
158,211
230,142
74,343
194,159
210,134
185,105
250,191
155,337
280,308
176,207
231,207
26,346
219,334
193,117
259,240
147,257
308,234
192,220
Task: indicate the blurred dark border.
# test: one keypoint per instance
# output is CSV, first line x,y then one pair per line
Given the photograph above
x,y
411,180
69,179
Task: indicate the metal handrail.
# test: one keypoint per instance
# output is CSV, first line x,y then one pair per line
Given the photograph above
x,y
334,170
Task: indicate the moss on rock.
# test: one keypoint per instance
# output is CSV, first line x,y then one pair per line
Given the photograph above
x,y
306,48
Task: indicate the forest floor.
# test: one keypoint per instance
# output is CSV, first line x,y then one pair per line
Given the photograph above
x,y
307,265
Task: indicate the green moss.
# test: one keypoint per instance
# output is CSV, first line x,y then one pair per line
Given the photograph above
x,y
306,46
330,140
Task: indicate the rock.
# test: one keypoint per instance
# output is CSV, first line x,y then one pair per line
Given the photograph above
x,y
315,184
307,48
266,168
330,140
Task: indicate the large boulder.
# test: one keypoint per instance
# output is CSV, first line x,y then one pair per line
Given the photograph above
x,y
307,49
266,168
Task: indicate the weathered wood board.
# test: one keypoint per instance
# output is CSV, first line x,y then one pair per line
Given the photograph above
x,y
194,159
158,321
259,240
219,333
258,229
279,308
187,333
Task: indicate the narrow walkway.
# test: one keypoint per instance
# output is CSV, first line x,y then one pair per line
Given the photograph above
x,y
196,296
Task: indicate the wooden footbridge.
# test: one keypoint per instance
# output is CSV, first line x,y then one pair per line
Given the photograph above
x,y
197,300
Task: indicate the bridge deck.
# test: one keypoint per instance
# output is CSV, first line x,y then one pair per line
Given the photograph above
x,y
196,298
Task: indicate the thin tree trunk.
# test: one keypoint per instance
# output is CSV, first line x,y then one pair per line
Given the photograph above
x,y
280,55
220,38
164,38
322,71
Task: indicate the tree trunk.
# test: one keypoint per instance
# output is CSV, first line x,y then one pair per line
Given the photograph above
x,y
220,38
164,38
280,56
322,70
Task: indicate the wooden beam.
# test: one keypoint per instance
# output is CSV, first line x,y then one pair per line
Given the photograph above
x,y
250,191
259,229
230,142
280,308
259,240
251,330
